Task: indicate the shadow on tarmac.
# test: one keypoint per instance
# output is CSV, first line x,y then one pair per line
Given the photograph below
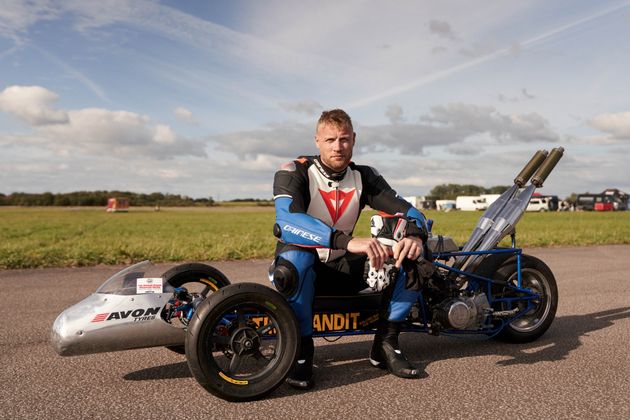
x,y
347,363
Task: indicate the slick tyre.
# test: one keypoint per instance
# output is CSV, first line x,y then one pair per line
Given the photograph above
x,y
538,278
204,278
207,276
242,342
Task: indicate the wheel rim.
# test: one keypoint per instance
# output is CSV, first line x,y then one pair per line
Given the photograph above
x,y
535,281
244,343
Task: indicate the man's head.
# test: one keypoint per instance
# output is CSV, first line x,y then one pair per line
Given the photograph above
x,y
335,139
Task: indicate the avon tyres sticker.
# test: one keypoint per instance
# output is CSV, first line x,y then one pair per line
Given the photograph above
x,y
149,285
138,315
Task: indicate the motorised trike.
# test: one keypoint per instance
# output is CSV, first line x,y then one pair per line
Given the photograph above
x,y
241,340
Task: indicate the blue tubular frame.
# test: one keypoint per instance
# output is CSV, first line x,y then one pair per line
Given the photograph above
x,y
474,283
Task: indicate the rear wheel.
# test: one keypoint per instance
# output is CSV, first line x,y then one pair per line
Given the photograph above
x,y
198,278
536,315
242,342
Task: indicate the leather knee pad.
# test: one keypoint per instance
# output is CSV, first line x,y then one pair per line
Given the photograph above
x,y
286,277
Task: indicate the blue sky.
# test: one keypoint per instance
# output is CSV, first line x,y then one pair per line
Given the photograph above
x,y
209,98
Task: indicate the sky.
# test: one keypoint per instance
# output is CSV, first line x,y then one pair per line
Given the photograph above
x,y
209,99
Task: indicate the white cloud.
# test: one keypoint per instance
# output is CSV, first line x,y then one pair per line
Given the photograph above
x,y
164,134
445,125
617,126
16,16
288,140
185,115
31,104
91,131
467,120
95,131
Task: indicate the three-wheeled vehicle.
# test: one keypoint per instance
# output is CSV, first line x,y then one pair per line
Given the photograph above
x,y
241,340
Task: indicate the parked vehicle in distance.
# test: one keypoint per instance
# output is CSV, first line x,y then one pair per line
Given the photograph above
x,y
445,205
619,199
610,199
596,202
117,205
585,202
543,203
471,203
604,203
490,198
414,200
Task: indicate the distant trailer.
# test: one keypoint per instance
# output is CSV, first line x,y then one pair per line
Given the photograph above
x,y
586,202
415,200
471,203
117,205
445,205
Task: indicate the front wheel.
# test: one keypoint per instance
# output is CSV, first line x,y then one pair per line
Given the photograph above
x,y
196,277
242,342
540,312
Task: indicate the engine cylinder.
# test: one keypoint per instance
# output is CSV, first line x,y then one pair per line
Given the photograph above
x,y
464,312
459,314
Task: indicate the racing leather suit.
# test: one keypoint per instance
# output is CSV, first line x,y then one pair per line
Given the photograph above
x,y
316,212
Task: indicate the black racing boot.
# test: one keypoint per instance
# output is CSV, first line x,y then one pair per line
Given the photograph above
x,y
386,352
302,375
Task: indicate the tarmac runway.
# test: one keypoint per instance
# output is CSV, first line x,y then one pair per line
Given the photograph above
x,y
578,369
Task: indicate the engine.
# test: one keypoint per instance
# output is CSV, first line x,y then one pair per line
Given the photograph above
x,y
464,312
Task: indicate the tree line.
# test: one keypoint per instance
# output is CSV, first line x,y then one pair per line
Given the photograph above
x,y
99,198
452,191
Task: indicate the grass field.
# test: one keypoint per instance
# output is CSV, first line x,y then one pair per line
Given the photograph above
x,y
62,237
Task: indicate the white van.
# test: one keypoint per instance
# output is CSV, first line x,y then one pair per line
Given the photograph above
x,y
490,198
471,203
538,204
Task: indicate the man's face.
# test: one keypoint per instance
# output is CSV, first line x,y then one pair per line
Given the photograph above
x,y
335,145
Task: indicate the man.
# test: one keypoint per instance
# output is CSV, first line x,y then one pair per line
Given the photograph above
x,y
318,200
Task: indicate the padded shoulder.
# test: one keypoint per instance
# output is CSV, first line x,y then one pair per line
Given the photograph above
x,y
292,166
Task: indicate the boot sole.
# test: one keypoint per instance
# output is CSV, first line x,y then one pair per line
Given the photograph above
x,y
300,384
377,364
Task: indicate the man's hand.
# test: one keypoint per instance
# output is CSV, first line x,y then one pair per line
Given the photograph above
x,y
410,247
377,252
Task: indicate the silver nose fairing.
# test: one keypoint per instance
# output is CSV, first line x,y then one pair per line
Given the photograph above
x,y
123,314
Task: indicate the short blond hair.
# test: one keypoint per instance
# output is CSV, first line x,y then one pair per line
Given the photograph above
x,y
337,117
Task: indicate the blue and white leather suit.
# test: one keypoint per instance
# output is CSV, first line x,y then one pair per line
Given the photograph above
x,y
316,212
